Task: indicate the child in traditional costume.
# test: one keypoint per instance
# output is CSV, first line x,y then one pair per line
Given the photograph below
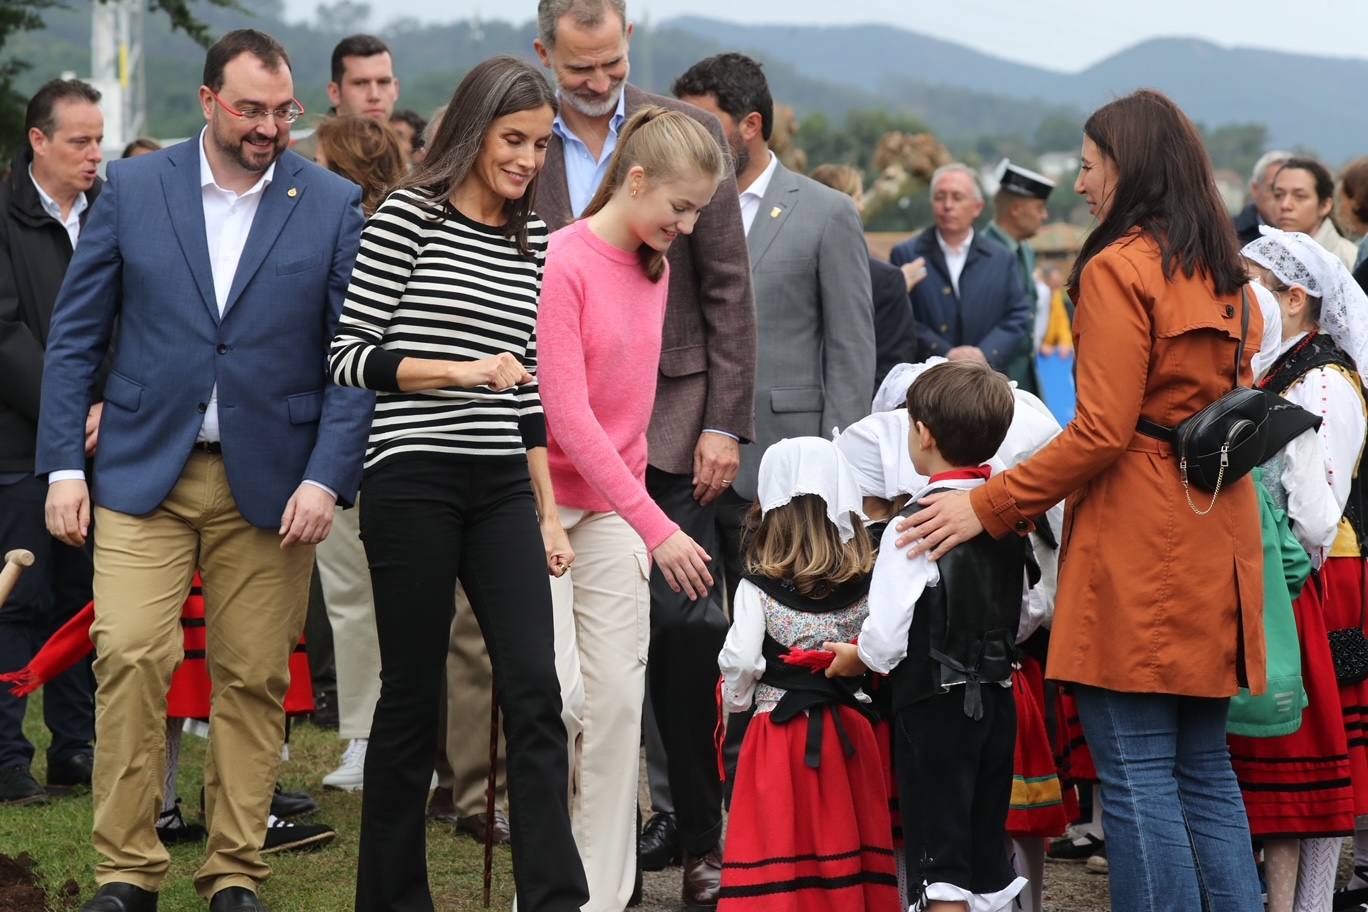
x,y
809,828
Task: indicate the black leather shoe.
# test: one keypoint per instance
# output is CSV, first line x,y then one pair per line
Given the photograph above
x,y
290,805
658,844
121,897
236,899
17,786
70,773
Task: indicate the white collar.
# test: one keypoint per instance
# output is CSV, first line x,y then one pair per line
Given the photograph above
x,y
949,251
207,173
953,484
760,185
54,208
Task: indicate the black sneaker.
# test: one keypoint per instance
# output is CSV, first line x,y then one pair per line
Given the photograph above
x,y
1079,848
292,804
173,830
17,786
284,836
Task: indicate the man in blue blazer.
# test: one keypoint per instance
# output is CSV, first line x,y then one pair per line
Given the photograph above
x,y
222,446
967,299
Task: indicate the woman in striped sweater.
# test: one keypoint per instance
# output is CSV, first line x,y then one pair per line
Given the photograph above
x,y
440,319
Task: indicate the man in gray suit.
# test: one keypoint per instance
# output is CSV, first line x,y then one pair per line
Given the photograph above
x,y
810,270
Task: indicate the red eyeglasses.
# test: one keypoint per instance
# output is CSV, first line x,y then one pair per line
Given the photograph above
x,y
288,115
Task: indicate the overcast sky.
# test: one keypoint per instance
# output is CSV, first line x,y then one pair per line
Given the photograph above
x,y
1059,34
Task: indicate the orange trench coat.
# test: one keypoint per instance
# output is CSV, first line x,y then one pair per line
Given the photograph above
x,y
1152,598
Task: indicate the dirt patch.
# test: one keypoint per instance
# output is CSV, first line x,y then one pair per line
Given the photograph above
x,y
22,891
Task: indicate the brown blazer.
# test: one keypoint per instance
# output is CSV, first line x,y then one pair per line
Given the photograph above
x,y
1152,598
707,358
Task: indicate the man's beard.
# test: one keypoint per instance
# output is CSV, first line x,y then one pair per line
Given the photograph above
x,y
740,154
592,108
234,149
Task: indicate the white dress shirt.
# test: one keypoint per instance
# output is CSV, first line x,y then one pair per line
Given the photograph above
x,y
227,222
72,222
752,195
955,257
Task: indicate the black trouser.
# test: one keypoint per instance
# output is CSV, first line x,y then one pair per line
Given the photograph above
x,y
427,521
955,785
686,637
48,594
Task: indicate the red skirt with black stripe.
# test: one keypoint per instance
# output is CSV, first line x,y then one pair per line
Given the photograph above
x,y
809,840
1299,785
1341,588
1037,808
1071,747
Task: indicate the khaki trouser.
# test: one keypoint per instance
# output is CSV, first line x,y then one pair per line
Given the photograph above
x,y
602,613
255,599
463,733
345,578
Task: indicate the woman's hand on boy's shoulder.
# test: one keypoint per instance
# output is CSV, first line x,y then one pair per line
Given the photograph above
x,y
944,521
847,663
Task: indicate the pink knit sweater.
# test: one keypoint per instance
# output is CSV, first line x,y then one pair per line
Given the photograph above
x,y
598,348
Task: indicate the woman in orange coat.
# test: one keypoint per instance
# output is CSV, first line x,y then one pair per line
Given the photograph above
x,y
1159,612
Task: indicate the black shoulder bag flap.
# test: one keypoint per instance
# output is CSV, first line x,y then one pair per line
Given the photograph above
x,y
1224,441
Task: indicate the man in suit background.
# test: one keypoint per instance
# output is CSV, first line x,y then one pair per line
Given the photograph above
x,y
704,397
968,299
1262,208
43,208
810,271
1018,212
222,445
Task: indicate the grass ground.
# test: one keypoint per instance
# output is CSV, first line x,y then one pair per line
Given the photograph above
x,y
58,837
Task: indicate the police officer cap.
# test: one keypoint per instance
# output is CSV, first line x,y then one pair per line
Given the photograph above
x,y
1023,182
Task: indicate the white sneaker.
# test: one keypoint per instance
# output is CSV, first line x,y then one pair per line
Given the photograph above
x,y
350,773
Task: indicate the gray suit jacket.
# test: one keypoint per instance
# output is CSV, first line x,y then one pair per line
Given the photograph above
x,y
814,316
707,358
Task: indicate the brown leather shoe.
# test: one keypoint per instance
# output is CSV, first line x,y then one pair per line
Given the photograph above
x,y
474,826
443,806
702,878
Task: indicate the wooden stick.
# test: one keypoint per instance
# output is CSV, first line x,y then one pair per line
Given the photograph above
x,y
489,793
15,562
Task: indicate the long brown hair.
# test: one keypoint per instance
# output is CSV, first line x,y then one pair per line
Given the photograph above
x,y
495,88
668,145
1166,188
364,151
798,544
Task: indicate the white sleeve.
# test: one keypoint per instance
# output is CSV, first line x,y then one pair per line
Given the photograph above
x,y
893,593
1272,330
1311,505
741,661
1326,392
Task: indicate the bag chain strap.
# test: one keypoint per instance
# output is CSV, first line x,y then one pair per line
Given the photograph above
x,y
1220,477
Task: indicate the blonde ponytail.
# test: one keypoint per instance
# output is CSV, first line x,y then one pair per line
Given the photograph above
x,y
667,145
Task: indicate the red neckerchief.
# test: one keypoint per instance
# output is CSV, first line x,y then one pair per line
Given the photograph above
x,y
982,472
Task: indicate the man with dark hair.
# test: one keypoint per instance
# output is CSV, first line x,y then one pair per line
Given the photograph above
x,y
218,450
704,410
1018,213
43,206
361,82
814,312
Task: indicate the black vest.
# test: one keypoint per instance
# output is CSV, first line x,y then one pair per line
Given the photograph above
x,y
1296,363
964,629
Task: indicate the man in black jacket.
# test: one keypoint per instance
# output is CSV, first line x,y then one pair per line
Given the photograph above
x,y
1261,208
51,186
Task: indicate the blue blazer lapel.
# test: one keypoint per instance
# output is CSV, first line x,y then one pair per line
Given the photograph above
x,y
277,202
185,203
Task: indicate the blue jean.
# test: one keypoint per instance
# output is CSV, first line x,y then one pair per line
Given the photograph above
x,y
1177,835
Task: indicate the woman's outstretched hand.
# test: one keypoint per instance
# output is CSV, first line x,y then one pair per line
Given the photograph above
x,y
944,521
684,565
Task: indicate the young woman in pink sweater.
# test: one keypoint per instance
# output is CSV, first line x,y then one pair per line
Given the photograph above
x,y
598,335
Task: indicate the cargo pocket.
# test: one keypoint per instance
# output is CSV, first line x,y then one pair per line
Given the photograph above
x,y
642,580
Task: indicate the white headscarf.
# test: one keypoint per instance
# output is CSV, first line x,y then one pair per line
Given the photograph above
x,y
892,392
811,465
1299,261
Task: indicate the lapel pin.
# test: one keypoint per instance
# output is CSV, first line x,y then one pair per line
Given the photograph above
x,y
292,193
776,212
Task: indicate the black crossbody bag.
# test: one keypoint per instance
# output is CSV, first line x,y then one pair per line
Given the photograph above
x,y
1224,441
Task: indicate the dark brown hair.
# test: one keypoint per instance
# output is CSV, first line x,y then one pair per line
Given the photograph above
x,y
354,46
966,406
798,544
141,144
495,88
243,41
364,151
668,145
42,107
1320,175
1164,187
1354,181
